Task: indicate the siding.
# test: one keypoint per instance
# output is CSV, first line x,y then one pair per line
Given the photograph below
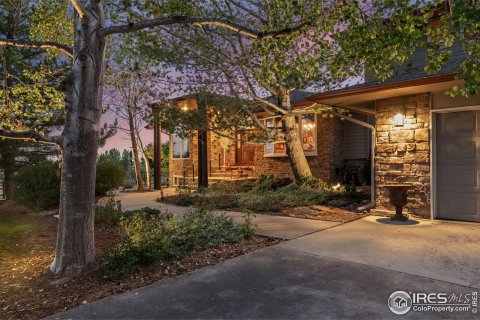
x,y
356,139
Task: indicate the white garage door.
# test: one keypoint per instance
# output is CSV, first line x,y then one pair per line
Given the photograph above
x,y
458,165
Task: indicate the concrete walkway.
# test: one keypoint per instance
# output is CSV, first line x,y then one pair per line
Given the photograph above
x,y
266,225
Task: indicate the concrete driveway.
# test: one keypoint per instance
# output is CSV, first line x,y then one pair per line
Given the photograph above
x,y
345,272
435,249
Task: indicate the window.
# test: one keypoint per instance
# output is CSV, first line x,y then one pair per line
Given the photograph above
x,y
307,127
308,132
181,147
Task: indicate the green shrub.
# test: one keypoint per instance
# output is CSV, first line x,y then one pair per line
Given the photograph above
x,y
271,183
148,239
147,211
338,202
110,175
106,211
38,186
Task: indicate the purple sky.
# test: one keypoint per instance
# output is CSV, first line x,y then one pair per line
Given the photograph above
x,y
121,140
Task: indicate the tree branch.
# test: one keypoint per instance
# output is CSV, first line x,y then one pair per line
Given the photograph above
x,y
30,136
79,8
232,26
44,45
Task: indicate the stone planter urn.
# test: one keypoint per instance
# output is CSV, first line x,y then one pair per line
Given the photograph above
x,y
398,198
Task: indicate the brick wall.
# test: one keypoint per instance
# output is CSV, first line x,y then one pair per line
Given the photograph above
x,y
403,153
326,165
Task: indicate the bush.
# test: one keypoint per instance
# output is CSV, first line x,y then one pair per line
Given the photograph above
x,y
106,211
148,239
271,183
110,175
38,186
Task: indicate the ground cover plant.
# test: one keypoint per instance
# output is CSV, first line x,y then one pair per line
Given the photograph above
x,y
27,243
271,194
149,237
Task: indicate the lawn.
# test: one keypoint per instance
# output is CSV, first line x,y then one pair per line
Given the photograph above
x,y
8,227
11,230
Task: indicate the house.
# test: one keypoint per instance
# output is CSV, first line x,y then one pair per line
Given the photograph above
x,y
423,137
336,150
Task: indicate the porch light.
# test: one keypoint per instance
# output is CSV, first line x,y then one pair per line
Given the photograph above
x,y
399,120
185,107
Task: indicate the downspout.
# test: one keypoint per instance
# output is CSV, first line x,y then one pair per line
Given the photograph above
x,y
373,145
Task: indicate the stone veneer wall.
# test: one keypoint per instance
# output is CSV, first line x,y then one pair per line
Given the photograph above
x,y
325,165
403,153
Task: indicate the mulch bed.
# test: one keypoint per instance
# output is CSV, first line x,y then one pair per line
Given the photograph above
x,y
316,212
25,292
319,212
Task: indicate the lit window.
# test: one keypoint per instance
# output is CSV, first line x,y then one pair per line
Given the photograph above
x,y
308,135
181,147
309,132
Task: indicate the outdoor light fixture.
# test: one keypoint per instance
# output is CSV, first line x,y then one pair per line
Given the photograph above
x,y
185,107
399,120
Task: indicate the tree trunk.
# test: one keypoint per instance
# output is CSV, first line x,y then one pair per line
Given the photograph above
x,y
136,159
145,159
295,153
75,250
8,163
9,185
147,171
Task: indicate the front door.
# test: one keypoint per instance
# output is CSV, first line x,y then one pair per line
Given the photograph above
x,y
458,165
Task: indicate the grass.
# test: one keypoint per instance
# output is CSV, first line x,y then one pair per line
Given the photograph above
x,y
10,227
10,230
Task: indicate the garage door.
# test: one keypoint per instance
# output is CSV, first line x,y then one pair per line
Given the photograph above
x,y
458,165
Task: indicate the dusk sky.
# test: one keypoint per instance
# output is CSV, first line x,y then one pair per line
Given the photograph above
x,y
121,140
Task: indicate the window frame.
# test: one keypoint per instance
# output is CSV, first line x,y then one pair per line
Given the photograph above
x,y
188,140
282,141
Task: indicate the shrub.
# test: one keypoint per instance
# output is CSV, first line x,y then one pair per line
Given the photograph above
x,y
338,202
110,175
106,211
271,183
38,186
148,239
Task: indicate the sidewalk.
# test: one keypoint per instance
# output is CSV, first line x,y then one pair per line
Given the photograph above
x,y
266,225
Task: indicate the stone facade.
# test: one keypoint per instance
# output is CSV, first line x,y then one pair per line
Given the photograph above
x,y
403,152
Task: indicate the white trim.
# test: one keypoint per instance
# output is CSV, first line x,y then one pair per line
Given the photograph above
x,y
433,152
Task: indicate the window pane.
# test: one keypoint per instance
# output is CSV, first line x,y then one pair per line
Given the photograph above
x,y
186,148
269,148
177,147
309,131
270,123
280,148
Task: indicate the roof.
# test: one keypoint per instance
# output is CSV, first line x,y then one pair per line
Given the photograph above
x,y
412,72
297,98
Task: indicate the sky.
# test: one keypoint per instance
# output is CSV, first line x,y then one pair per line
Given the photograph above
x,y
121,140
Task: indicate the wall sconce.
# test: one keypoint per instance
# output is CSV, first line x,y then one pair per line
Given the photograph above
x,y
399,120
185,107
